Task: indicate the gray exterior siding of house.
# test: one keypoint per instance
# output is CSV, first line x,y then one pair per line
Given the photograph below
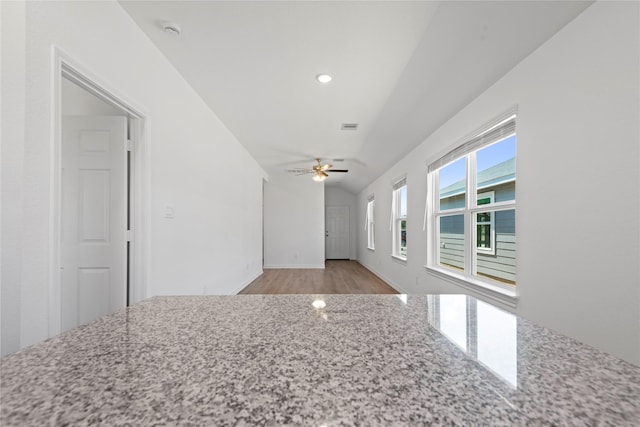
x,y
501,264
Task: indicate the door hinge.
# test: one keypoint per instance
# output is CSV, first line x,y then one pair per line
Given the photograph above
x,y
128,235
129,145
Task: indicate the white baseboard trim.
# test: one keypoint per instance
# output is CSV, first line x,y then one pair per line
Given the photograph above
x,y
290,266
388,281
247,282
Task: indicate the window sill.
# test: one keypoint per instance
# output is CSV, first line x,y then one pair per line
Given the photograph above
x,y
505,296
490,252
401,260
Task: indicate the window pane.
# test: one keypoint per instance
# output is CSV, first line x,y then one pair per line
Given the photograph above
x,y
403,201
451,253
496,171
372,238
484,236
485,228
484,217
403,238
500,263
453,183
484,200
370,225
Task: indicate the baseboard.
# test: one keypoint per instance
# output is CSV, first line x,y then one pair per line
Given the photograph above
x,y
388,281
293,266
247,282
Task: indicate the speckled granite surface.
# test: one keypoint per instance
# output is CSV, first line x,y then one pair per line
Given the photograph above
x,y
277,360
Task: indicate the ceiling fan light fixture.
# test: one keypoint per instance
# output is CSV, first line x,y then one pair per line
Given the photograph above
x,y
319,177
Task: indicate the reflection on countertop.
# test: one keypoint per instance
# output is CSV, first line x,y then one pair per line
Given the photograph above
x,y
314,360
486,333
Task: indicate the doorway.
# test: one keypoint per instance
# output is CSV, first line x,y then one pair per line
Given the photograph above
x,y
98,251
95,207
337,233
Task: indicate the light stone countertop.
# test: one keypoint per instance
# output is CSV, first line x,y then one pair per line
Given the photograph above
x,y
278,360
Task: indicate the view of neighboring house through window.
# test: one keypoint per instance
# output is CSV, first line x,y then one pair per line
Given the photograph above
x,y
371,236
399,218
485,225
474,231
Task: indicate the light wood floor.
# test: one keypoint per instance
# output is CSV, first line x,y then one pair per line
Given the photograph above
x,y
338,277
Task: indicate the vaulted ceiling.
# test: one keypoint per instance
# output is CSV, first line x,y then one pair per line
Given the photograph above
x,y
400,70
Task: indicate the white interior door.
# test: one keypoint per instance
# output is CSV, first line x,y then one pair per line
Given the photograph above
x,y
94,218
337,232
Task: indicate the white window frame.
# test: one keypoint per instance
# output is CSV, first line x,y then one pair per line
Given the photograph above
x,y
499,129
397,218
370,224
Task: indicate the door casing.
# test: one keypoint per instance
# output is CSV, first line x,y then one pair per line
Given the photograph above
x,y
64,66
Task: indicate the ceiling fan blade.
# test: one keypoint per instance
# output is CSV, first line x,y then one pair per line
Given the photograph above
x,y
319,170
300,171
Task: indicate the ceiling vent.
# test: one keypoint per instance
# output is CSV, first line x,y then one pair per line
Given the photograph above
x,y
349,126
337,160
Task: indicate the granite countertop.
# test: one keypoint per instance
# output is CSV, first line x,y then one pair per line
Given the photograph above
x,y
280,360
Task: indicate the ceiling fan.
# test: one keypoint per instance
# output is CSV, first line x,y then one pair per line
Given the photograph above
x,y
319,171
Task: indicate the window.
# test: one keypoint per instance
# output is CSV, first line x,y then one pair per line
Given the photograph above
x,y
399,218
485,225
370,224
471,215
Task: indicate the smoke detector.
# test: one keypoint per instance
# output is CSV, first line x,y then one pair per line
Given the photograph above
x,y
172,29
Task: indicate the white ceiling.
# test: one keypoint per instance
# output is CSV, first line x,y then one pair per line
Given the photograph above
x,y
400,69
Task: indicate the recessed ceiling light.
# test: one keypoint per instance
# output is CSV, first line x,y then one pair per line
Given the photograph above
x,y
324,78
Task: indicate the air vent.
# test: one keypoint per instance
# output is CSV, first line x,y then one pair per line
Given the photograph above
x,y
349,126
337,160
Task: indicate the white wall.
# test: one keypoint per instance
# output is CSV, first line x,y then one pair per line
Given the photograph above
x,y
77,101
335,196
214,243
578,191
12,83
293,222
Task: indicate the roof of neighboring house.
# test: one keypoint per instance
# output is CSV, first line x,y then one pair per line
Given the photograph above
x,y
495,175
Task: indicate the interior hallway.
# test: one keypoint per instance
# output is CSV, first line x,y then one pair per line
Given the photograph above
x,y
338,277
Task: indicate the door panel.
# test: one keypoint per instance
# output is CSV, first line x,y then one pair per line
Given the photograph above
x,y
94,212
93,294
95,205
337,232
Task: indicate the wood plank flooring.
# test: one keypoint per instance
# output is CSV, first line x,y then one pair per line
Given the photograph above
x,y
338,277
